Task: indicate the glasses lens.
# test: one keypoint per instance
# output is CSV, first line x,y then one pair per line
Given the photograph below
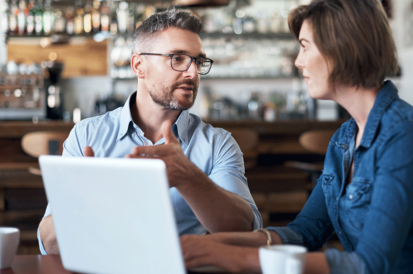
x,y
180,62
204,67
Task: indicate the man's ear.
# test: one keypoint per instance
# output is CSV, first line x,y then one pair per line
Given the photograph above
x,y
137,65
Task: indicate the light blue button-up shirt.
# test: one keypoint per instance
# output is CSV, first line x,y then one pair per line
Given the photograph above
x,y
213,150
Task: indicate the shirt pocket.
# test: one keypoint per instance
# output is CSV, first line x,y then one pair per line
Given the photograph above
x,y
357,201
326,181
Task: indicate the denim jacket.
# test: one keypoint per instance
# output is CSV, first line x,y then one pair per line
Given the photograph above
x,y
373,215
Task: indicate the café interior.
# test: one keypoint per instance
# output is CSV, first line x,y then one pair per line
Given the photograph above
x,y
62,61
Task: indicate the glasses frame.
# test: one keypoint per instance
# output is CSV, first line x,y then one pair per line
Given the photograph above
x,y
192,59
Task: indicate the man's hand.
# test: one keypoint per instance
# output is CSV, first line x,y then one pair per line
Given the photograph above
x,y
88,152
206,250
48,235
180,170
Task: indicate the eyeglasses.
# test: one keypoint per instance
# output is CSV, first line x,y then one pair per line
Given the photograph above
x,y
182,62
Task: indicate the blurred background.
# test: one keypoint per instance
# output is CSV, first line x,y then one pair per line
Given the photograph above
x,y
65,60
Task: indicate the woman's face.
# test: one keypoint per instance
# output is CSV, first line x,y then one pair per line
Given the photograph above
x,y
313,64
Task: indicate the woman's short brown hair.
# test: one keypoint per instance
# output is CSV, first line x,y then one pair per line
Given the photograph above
x,y
354,35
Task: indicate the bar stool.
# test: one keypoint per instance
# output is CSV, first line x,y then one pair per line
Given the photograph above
x,y
43,143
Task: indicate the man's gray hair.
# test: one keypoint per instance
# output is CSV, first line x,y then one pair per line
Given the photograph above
x,y
158,22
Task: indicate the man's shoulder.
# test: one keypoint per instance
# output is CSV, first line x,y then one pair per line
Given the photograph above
x,y
207,129
109,119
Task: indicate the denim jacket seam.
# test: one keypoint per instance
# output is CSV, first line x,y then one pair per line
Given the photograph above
x,y
314,239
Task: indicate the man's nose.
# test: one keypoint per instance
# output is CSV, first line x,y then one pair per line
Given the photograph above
x,y
192,70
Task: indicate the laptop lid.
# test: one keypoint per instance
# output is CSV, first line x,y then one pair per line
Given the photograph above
x,y
112,215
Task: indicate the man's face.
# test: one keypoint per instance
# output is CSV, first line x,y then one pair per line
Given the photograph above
x,y
167,87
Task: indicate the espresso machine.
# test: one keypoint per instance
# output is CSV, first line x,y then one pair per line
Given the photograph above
x,y
22,95
54,95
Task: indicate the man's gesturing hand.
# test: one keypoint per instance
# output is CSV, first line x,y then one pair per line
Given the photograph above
x,y
180,170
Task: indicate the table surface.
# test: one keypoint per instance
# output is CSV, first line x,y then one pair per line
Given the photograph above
x,y
38,264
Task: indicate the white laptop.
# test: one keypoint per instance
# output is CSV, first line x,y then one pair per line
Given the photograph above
x,y
112,215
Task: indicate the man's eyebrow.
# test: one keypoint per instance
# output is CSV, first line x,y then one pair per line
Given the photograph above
x,y
185,52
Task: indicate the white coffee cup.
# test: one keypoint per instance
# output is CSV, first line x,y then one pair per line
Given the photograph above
x,y
9,241
282,259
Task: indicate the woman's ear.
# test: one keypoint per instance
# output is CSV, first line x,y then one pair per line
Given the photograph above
x,y
137,65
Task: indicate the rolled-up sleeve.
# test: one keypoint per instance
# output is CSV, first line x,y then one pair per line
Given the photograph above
x,y
342,262
228,172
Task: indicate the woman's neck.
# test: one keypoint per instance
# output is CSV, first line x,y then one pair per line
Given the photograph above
x,y
358,102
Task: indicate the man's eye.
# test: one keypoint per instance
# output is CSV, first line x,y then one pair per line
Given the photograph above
x,y
177,58
200,62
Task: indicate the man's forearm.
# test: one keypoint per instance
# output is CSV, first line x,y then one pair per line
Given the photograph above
x,y
217,209
48,235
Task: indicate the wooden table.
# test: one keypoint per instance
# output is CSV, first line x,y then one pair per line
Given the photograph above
x,y
38,264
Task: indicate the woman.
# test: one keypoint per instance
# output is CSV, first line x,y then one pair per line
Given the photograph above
x,y
365,193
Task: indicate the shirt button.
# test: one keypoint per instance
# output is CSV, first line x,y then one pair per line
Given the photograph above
x,y
344,146
338,198
339,232
350,196
133,134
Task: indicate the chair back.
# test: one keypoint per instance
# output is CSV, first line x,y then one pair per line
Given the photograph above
x,y
44,143
316,140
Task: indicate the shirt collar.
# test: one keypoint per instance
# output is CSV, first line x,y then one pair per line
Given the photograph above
x,y
386,95
180,128
126,116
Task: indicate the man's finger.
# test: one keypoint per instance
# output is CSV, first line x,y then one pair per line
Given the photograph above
x,y
88,152
167,133
150,150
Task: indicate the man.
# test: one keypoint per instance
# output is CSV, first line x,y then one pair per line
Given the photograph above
x,y
204,164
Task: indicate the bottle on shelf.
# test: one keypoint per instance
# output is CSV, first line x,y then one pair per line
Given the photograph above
x,y
5,18
21,17
87,18
122,16
30,18
60,23
105,19
79,20
14,11
48,18
38,17
96,16
70,22
114,21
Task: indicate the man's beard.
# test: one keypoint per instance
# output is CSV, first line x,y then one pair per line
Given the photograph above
x,y
166,98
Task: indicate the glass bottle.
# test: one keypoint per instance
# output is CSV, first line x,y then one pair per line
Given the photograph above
x,y
48,18
60,24
131,18
87,19
113,22
96,16
30,18
14,11
122,16
70,23
79,20
104,19
38,17
21,17
5,18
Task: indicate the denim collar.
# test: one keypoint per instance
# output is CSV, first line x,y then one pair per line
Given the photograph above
x,y
179,128
386,95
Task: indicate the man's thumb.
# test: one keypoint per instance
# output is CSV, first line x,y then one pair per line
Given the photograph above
x,y
88,152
